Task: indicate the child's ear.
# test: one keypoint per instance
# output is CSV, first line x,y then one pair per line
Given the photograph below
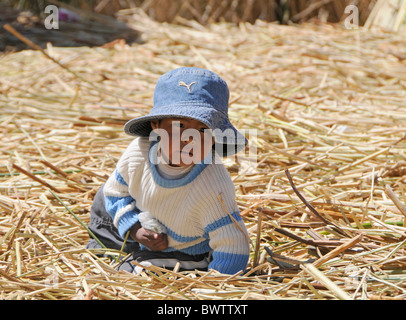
x,y
155,124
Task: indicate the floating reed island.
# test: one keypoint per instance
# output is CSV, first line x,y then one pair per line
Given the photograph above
x,y
322,190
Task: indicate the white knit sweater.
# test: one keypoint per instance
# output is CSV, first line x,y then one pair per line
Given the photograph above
x,y
189,208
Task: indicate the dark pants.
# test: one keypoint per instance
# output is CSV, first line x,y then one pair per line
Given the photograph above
x,y
101,224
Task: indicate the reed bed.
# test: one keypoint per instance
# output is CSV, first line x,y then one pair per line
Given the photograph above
x,y
322,197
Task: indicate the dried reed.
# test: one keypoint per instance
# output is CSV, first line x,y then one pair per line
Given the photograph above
x,y
327,104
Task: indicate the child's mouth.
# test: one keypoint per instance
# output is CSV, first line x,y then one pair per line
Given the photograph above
x,y
185,153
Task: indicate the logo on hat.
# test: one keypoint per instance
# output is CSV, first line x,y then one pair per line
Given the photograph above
x,y
183,84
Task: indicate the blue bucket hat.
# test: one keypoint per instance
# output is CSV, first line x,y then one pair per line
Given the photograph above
x,y
196,94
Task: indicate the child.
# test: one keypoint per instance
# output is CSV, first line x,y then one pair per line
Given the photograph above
x,y
170,196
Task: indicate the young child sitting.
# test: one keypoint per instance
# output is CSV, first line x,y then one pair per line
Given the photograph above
x,y
170,195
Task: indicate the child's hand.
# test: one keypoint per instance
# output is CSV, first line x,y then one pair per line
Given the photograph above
x,y
152,240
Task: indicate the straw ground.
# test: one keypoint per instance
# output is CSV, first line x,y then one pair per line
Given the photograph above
x,y
324,203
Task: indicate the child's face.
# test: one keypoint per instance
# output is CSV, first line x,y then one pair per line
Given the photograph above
x,y
184,141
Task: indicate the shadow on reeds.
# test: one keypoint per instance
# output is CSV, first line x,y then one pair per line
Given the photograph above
x,y
91,31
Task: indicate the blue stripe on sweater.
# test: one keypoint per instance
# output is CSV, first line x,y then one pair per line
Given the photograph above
x,y
113,204
120,178
209,228
127,220
200,248
229,263
222,222
178,237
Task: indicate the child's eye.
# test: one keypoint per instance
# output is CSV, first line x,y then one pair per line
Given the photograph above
x,y
178,124
204,130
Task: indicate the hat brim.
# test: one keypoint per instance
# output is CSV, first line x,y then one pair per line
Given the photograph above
x,y
228,140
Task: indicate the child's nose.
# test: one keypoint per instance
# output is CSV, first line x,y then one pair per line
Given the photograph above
x,y
187,139
187,136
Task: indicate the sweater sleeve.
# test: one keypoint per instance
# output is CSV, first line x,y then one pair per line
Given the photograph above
x,y
226,231
119,203
229,241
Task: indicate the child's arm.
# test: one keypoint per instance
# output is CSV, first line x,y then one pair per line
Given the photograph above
x,y
228,237
230,245
122,208
119,203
